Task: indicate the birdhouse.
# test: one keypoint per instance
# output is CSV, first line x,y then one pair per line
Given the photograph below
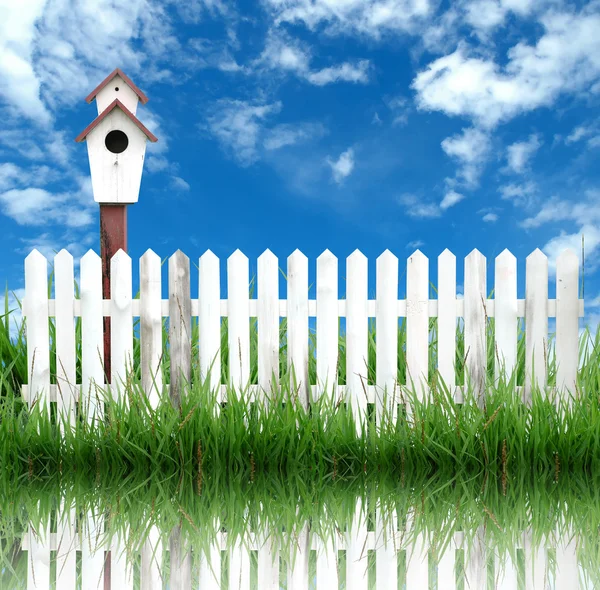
x,y
116,140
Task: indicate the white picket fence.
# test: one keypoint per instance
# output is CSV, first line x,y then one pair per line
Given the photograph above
x,y
475,308
387,541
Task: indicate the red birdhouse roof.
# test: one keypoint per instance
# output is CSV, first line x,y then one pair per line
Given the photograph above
x,y
113,105
118,72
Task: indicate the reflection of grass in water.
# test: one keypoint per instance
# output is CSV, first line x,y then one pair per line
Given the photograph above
x,y
438,505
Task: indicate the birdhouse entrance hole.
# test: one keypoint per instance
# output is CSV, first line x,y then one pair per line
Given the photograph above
x,y
116,142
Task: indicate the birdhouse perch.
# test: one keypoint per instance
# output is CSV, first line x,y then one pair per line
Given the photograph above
x,y
116,140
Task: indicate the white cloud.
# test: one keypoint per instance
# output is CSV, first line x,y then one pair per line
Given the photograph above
x,y
490,217
343,166
450,199
558,244
565,59
179,184
471,149
416,208
371,18
578,133
519,153
415,244
520,194
555,209
285,134
237,125
400,107
284,53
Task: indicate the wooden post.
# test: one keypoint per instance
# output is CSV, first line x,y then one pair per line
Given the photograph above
x,y
113,236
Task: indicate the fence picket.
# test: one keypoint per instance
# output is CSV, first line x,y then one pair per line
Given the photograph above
x,y
151,327
65,338
475,314
386,327
209,321
38,333
238,310
446,322
297,325
536,324
386,549
567,323
92,340
327,324
38,558
268,325
66,556
356,552
151,561
297,574
417,328
121,568
121,333
505,314
357,328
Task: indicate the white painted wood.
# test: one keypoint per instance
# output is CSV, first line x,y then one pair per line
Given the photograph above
x,y
567,567
297,326
417,329
505,313
66,556
38,334
475,302
567,324
238,321
210,568
356,336
268,325
180,327
536,323
38,558
151,565
476,561
417,552
446,569
446,323
116,178
268,560
297,572
151,327
180,577
386,344
506,573
92,552
536,575
121,324
209,321
121,568
356,550
92,343
125,94
327,562
386,549
65,339
327,323
239,567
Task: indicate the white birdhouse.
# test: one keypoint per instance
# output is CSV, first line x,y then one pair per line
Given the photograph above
x,y
116,140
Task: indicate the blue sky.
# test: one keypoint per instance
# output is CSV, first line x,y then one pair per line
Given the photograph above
x,y
311,124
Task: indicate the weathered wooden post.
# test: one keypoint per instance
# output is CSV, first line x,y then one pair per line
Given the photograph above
x,y
116,142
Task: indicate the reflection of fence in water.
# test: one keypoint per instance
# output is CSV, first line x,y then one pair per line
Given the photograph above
x,y
388,543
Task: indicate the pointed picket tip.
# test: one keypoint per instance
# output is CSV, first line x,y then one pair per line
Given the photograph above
x,y
64,254
267,254
387,255
90,255
506,255
34,255
297,255
475,253
446,255
357,255
121,255
537,254
567,255
326,255
238,257
149,253
208,256
179,255
418,255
